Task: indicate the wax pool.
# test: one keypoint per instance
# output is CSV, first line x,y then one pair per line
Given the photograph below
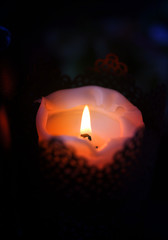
x,y
113,120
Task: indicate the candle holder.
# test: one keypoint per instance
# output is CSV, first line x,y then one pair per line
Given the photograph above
x,y
80,199
70,177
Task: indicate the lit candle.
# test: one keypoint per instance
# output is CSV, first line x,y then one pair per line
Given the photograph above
x,y
94,121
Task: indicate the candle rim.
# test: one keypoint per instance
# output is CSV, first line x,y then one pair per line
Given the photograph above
x,y
45,135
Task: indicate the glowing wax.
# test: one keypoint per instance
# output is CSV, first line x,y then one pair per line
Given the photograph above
x,y
113,120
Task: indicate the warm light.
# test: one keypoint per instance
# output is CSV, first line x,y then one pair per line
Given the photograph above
x,y
97,136
85,122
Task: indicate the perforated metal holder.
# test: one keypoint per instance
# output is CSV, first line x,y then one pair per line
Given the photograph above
x,y
70,178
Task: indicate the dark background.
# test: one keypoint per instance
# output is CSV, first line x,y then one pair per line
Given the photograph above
x,y
70,36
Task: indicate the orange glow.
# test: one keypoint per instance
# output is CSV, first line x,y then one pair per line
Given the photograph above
x,y
85,122
5,138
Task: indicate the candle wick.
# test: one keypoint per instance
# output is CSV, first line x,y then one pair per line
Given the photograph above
x,y
86,135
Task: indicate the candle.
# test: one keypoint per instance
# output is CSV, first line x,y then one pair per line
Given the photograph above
x,y
94,121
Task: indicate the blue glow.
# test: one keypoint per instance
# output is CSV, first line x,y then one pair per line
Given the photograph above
x,y
5,38
159,33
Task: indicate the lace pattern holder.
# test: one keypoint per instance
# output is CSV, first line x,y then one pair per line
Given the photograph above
x,y
69,177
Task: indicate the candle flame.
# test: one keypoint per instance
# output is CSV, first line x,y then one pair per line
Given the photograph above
x,y
85,122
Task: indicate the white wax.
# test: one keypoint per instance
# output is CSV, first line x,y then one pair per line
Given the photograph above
x,y
113,120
